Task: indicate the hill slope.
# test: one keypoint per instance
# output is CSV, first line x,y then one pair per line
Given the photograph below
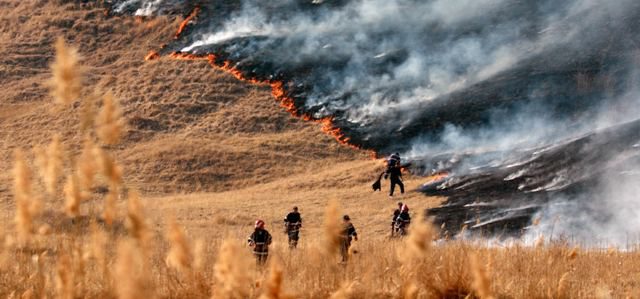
x,y
191,128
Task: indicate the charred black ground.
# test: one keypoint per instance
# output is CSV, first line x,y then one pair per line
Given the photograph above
x,y
562,63
500,196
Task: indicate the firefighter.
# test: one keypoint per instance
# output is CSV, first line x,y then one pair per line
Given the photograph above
x,y
260,240
402,221
396,212
394,172
346,236
393,160
292,225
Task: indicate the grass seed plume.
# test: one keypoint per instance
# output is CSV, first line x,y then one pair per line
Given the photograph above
x,y
109,122
67,78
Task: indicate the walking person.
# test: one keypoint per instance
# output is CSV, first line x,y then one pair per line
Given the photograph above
x,y
260,240
292,225
394,172
346,236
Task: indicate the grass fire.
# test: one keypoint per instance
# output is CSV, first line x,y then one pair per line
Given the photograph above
x,y
503,151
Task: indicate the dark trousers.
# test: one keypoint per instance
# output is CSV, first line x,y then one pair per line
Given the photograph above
x,y
396,180
293,238
345,243
261,258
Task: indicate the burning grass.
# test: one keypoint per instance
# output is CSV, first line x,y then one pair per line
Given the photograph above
x,y
89,255
189,127
124,246
278,90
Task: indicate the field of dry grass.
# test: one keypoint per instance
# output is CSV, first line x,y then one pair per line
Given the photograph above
x,y
159,202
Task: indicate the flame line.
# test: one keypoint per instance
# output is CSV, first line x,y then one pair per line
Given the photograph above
x,y
279,92
186,22
278,89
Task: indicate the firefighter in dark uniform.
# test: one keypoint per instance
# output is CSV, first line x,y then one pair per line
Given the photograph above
x,y
394,172
396,212
402,221
346,236
292,225
260,240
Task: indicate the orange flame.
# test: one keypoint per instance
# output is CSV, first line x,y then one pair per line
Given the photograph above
x,y
153,55
279,92
186,22
186,56
437,176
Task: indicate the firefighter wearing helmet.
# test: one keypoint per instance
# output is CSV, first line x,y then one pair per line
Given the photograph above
x,y
260,240
394,172
402,221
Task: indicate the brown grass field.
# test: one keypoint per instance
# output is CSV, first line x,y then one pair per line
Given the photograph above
x,y
152,192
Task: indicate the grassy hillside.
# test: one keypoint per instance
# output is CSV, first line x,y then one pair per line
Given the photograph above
x,y
209,155
190,127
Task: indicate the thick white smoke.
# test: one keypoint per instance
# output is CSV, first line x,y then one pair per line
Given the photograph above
x,y
449,45
487,84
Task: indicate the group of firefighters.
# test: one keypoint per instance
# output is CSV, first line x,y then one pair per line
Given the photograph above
x,y
260,239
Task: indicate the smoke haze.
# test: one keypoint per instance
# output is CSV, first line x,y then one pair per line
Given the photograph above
x,y
529,106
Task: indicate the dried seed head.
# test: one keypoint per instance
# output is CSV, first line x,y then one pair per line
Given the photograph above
x,y
232,272
73,196
180,256
108,166
133,282
198,254
417,246
66,83
54,165
110,123
23,197
136,222
332,227
273,288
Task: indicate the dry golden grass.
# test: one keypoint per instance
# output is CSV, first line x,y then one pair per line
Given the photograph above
x,y
236,157
73,196
180,256
66,82
109,121
27,205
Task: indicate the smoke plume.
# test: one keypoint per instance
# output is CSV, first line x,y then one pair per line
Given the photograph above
x,y
525,105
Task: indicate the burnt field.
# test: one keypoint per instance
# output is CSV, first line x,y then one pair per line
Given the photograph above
x,y
522,104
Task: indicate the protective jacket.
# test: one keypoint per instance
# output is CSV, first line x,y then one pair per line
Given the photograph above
x,y
260,239
293,222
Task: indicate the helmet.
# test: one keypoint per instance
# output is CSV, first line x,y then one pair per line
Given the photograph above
x,y
259,224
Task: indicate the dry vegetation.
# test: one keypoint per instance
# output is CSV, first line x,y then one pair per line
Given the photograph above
x,y
92,211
